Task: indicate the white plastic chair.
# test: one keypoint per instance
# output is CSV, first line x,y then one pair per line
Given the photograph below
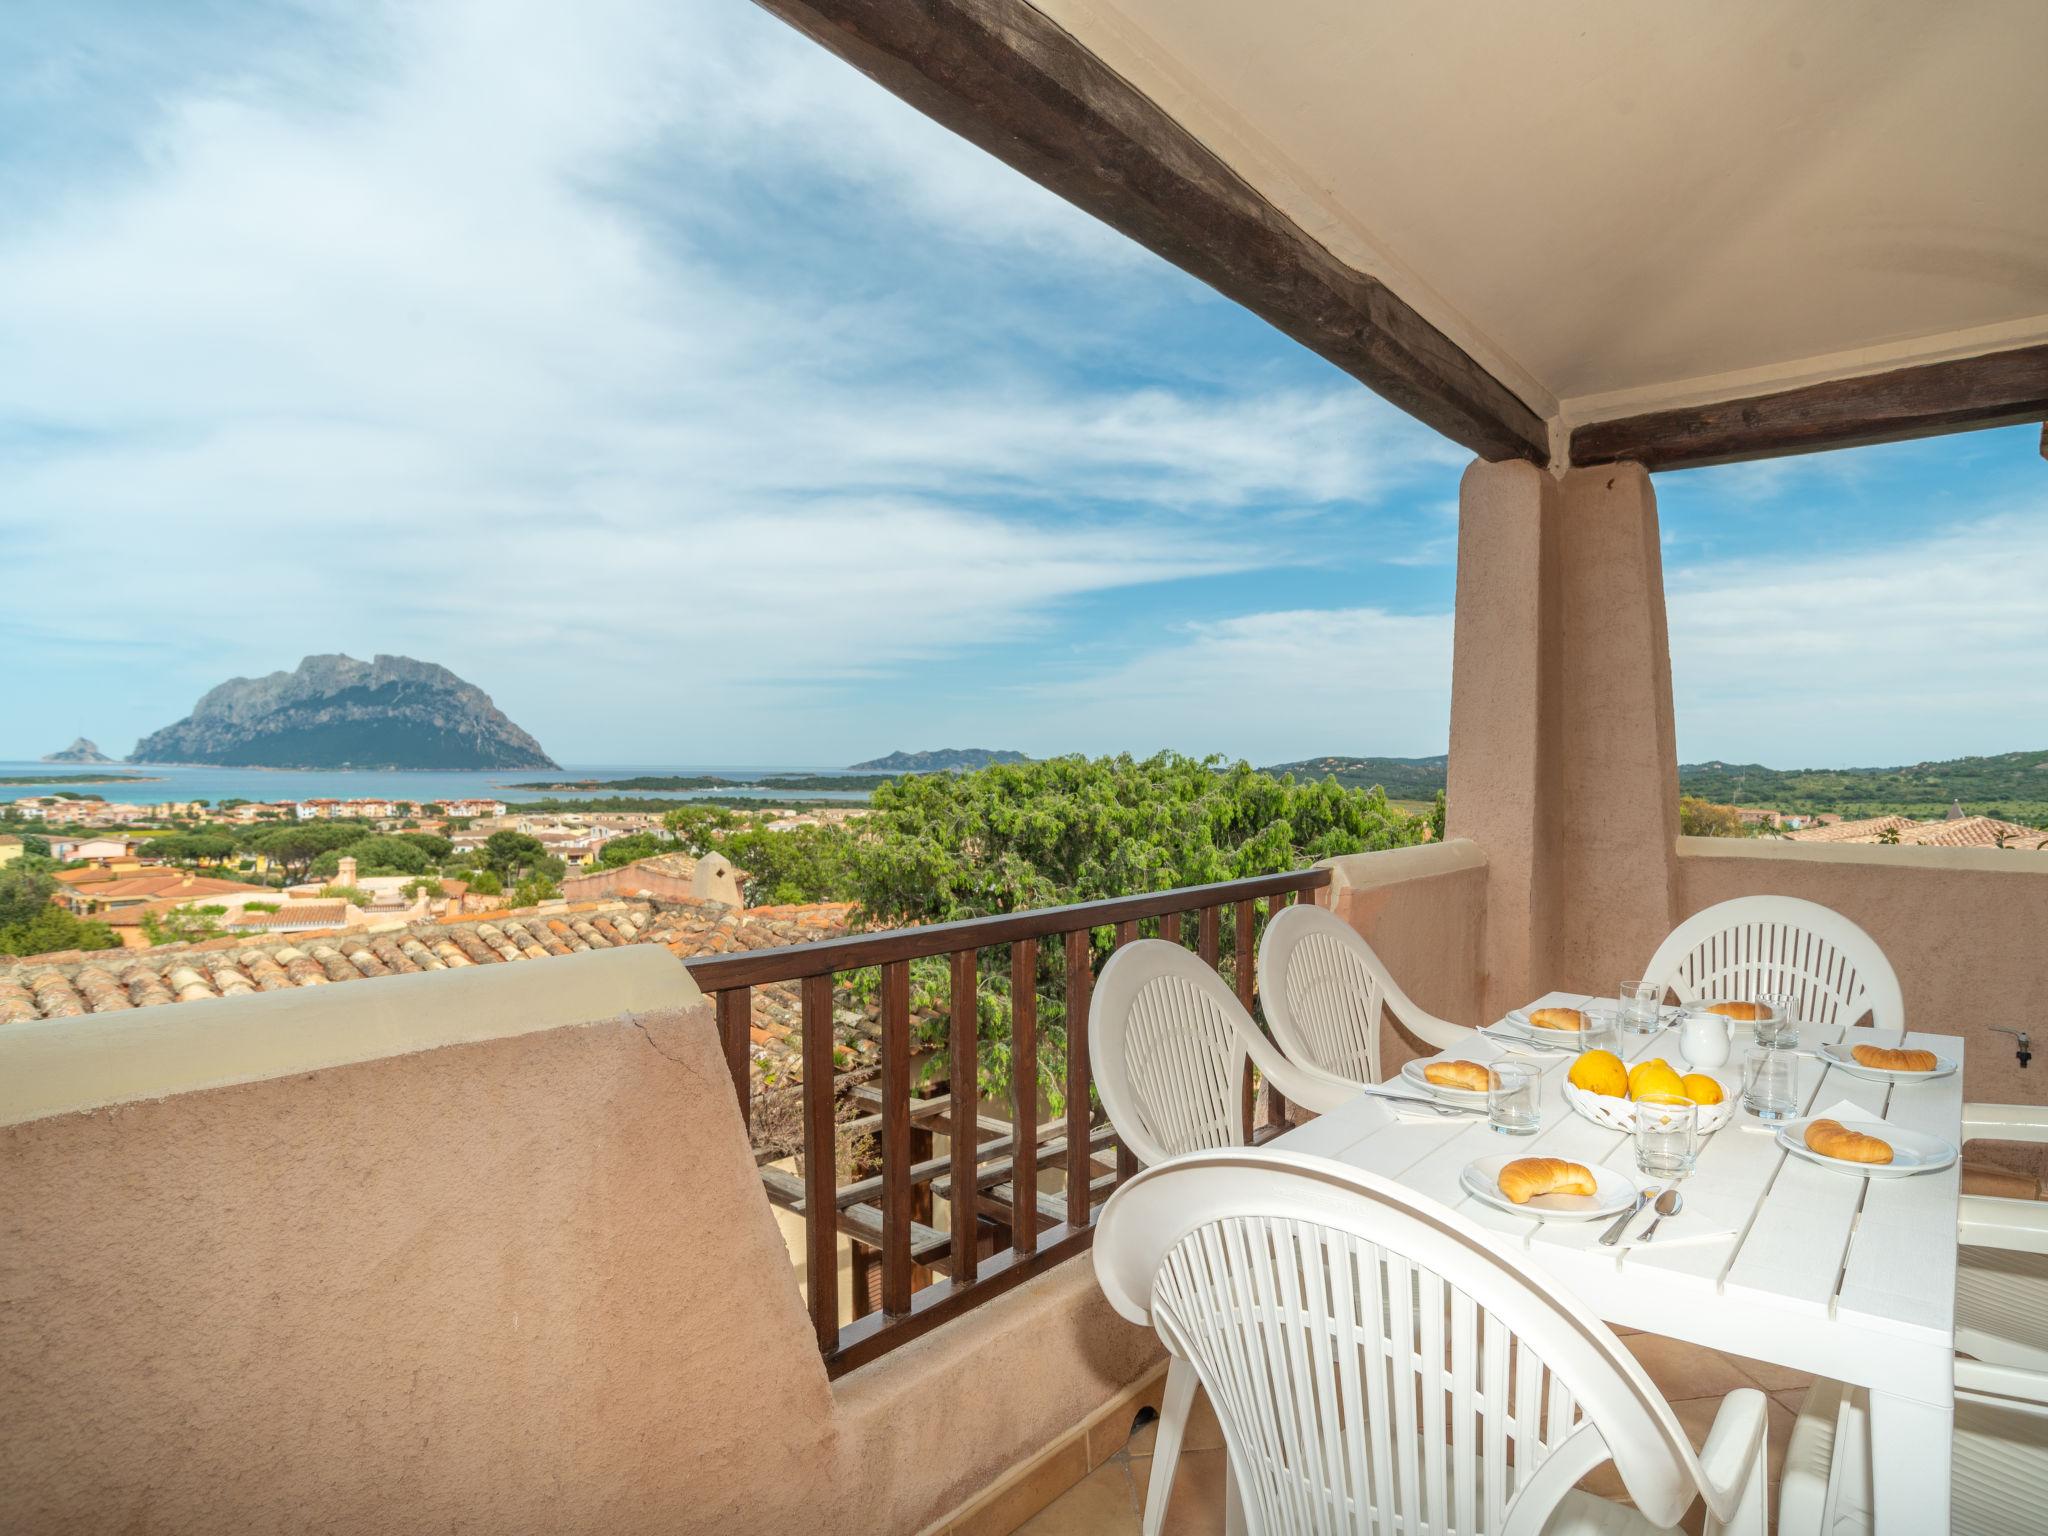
x,y
1325,994
1379,1362
2002,1263
1168,1042
1169,1045
1999,1457
1736,951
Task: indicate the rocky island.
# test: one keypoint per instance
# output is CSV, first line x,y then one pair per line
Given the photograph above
x,y
80,751
338,712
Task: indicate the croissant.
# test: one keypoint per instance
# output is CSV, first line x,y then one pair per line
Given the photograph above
x,y
1527,1177
1888,1060
1558,1018
1741,1013
1457,1074
1831,1138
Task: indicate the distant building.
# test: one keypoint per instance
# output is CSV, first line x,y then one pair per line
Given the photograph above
x,y
103,852
10,848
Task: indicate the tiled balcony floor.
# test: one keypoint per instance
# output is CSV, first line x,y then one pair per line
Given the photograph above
x,y
1111,1499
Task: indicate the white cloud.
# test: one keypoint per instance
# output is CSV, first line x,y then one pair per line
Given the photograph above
x,y
446,356
1276,686
1921,649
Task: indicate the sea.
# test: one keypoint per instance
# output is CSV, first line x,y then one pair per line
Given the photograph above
x,y
157,782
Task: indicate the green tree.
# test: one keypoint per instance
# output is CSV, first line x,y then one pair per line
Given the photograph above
x,y
194,847
533,890
485,883
183,925
376,855
52,929
509,854
293,848
1703,818
630,848
354,895
436,848
23,894
1011,837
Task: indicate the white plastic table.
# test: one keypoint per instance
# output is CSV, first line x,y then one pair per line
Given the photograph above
x,y
1846,1277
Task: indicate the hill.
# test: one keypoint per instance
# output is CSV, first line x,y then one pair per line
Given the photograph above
x,y
943,760
2013,785
1403,778
337,712
80,751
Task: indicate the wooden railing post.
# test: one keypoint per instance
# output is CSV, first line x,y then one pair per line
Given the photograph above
x,y
964,1047
735,1018
821,1163
896,1137
1024,1095
1078,1158
1242,977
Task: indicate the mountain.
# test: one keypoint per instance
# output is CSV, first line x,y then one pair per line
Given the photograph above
x,y
1403,778
944,760
337,712
80,751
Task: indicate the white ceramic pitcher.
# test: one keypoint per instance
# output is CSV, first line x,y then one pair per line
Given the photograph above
x,y
1703,1039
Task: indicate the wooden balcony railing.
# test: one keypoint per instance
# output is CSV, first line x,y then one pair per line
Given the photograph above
x,y
990,1176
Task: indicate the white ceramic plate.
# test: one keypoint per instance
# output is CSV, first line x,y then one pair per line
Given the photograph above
x,y
1411,1073
1616,1191
1838,1052
1517,1022
1912,1151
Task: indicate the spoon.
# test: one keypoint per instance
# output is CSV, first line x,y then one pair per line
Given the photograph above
x,y
1620,1225
1668,1204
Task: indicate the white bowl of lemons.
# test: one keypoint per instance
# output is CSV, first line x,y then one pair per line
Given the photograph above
x,y
1602,1089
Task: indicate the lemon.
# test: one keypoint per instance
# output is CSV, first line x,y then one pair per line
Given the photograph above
x,y
1654,1076
1702,1089
1600,1072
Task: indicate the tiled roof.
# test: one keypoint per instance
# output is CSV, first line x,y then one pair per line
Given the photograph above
x,y
1866,831
1950,832
296,914
78,982
1974,832
157,885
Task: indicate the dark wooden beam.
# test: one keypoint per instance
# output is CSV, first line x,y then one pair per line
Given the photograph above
x,y
1997,389
1002,75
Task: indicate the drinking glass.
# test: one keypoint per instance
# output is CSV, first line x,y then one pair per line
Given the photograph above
x,y
1602,1031
1770,1083
1641,1002
1777,1019
1511,1105
1667,1135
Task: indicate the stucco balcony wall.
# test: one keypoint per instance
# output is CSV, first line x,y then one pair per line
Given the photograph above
x,y
1965,928
482,1251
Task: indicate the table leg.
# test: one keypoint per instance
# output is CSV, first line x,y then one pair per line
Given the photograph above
x,y
1912,1447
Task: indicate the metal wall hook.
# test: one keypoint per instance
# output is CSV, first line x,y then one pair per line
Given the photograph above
x,y
2024,1047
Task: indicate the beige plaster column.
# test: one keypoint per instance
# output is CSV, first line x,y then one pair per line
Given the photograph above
x,y
1563,757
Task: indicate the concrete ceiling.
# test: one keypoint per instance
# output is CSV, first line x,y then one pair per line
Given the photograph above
x,y
1617,206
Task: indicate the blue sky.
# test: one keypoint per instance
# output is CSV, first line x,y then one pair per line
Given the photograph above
x,y
703,403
